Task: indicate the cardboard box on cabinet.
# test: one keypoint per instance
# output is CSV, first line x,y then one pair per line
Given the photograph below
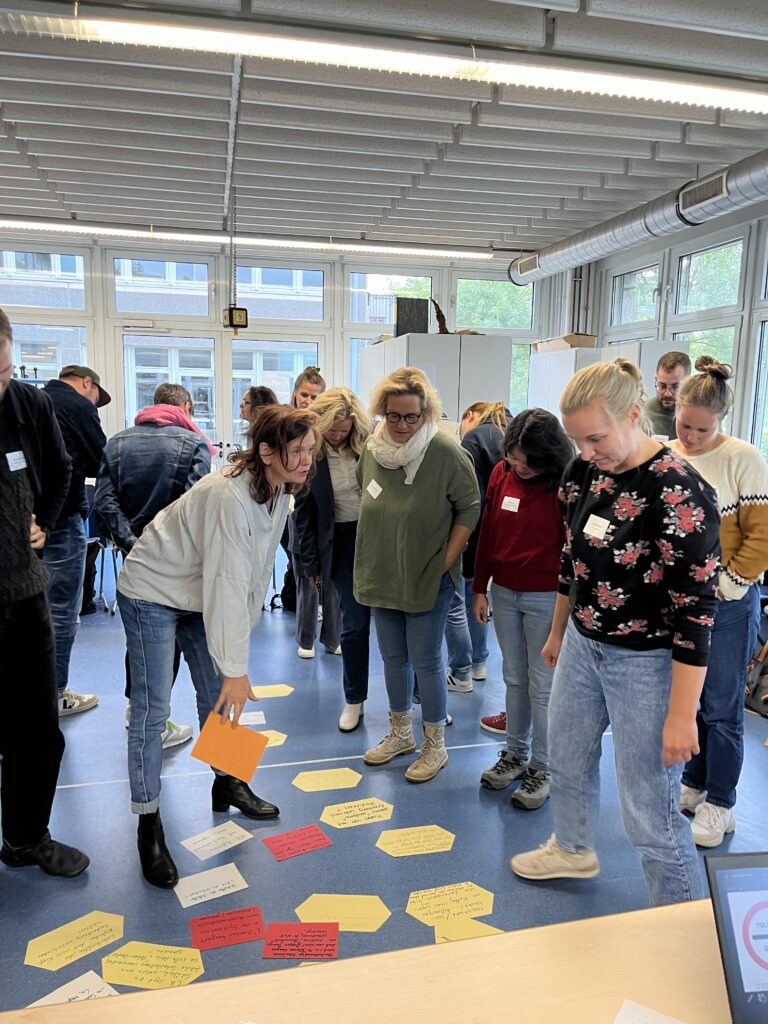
x,y
567,341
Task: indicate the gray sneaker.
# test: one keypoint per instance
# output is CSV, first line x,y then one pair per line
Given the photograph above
x,y
533,791
508,768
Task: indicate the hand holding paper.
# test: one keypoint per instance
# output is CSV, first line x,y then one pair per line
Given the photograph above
x,y
234,694
234,749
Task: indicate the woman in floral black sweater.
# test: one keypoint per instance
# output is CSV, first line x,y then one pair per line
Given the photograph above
x,y
630,636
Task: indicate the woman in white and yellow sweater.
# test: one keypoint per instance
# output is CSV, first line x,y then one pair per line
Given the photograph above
x,y
739,474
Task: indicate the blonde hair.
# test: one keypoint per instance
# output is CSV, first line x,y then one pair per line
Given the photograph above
x,y
708,388
407,381
618,385
496,412
340,404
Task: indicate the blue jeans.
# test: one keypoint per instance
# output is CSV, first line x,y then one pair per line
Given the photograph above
x,y
64,560
465,638
522,622
416,638
355,618
595,685
720,718
152,632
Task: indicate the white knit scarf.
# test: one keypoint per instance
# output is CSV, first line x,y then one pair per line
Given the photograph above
x,y
406,456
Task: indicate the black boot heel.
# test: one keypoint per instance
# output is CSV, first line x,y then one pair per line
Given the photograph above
x,y
231,792
156,862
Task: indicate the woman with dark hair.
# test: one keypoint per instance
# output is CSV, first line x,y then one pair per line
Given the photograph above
x,y
308,385
253,399
197,576
520,544
739,475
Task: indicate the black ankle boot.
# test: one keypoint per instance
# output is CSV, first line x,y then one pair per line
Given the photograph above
x,y
156,862
231,792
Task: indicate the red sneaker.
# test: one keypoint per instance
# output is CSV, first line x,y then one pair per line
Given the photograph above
x,y
495,723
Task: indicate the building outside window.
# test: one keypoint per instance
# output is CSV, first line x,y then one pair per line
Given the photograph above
x,y
41,279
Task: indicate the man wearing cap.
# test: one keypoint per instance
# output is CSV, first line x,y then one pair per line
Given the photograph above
x,y
76,396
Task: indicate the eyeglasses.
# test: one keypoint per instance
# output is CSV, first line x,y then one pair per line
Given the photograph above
x,y
671,388
410,417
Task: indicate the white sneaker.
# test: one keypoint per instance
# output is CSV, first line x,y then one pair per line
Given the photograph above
x,y
306,652
690,798
478,673
552,861
350,717
334,650
711,824
128,715
459,685
174,735
71,702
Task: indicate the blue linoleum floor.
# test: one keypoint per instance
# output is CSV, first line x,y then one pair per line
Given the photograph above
x,y
92,810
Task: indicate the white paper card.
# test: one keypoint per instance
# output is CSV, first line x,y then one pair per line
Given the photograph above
x,y
595,526
634,1013
253,718
87,986
216,840
510,504
373,489
16,461
209,885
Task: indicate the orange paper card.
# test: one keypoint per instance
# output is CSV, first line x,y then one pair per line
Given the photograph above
x,y
234,751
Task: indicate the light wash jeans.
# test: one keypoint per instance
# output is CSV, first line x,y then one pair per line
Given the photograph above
x,y
465,638
64,561
522,622
416,638
595,685
152,632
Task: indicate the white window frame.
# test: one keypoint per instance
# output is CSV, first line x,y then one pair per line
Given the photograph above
x,y
165,256
714,241
394,269
297,266
9,244
470,274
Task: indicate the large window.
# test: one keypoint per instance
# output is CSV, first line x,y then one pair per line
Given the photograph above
x,y
280,293
713,341
44,279
161,286
158,359
274,364
634,296
709,279
760,416
372,296
40,350
493,304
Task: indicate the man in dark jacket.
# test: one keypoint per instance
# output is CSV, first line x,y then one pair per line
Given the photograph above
x,y
75,396
144,469
34,479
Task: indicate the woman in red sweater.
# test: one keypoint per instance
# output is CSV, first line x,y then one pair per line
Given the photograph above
x,y
520,544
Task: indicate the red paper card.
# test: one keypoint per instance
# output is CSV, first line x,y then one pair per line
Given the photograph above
x,y
227,929
301,941
296,842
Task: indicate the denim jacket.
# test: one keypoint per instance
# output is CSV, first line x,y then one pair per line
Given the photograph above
x,y
144,469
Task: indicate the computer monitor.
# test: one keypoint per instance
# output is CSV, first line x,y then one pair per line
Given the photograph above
x,y
738,883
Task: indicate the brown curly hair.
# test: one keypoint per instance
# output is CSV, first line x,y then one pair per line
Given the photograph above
x,y
275,426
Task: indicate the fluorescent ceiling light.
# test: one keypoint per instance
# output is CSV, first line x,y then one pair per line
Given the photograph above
x,y
246,241
530,75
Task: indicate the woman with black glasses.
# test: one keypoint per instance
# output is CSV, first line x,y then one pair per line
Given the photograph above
x,y
420,503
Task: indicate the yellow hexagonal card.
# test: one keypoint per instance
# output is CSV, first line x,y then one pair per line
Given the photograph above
x,y
274,738
275,690
448,902
70,942
354,913
357,812
146,965
328,778
411,842
463,928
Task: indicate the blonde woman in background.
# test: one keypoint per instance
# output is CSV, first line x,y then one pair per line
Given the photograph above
x,y
739,475
630,636
420,503
326,529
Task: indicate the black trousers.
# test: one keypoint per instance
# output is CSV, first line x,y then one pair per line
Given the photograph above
x,y
30,762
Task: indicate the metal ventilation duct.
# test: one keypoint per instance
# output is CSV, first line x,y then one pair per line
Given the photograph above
x,y
739,185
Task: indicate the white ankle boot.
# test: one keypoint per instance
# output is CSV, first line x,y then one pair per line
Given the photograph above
x,y
399,740
350,717
432,758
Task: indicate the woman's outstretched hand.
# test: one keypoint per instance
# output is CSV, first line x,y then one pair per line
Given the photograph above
x,y
232,699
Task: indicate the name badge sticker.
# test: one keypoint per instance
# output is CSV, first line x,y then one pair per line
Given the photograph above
x,y
510,504
16,461
373,489
595,526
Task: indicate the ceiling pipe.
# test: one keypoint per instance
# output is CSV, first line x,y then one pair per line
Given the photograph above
x,y
733,188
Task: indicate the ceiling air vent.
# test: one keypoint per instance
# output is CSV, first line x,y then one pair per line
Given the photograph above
x,y
528,265
701,192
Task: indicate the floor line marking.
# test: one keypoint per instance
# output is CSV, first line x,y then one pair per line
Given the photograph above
x,y
281,764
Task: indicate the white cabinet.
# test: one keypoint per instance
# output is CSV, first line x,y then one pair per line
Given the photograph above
x,y
549,373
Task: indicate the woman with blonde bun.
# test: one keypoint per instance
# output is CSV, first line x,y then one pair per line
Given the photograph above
x,y
629,638
739,474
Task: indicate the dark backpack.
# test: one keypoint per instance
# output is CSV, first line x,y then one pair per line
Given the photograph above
x,y
756,691
288,593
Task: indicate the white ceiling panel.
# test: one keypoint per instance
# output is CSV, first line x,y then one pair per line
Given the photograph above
x,y
738,17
